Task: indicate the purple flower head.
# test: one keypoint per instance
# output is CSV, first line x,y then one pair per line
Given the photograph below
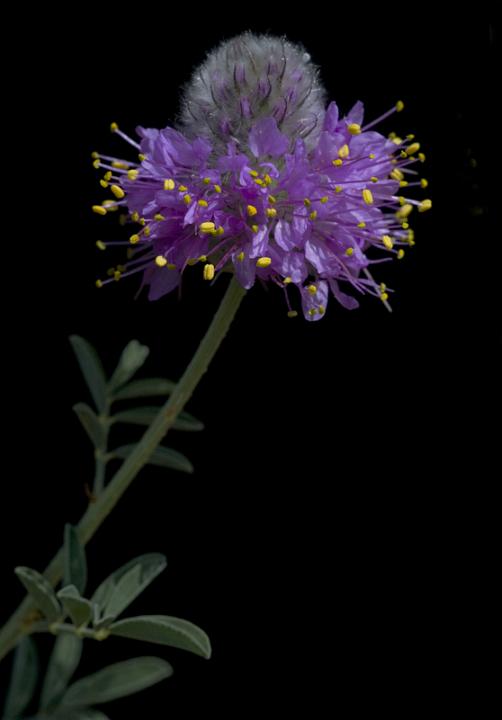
x,y
262,180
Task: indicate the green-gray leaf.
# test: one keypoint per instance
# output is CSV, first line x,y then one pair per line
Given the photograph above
x,y
75,565
23,679
77,607
63,662
91,368
116,681
90,422
41,591
151,564
165,630
149,387
132,358
146,415
161,456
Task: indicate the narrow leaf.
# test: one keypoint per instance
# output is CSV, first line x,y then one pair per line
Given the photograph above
x,y
132,358
92,370
127,589
165,630
41,592
63,662
151,564
75,565
90,422
149,387
78,608
146,415
116,681
23,679
161,456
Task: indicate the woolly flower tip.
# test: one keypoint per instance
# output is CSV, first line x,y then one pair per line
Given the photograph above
x,y
252,77
265,203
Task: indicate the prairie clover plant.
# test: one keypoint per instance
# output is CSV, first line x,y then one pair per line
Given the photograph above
x,y
260,179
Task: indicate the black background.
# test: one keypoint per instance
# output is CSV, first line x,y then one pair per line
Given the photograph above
x,y
320,540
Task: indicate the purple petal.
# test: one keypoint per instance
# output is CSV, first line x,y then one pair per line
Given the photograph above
x,y
314,306
266,139
161,281
331,118
347,301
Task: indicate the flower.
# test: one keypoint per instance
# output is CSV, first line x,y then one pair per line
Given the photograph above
x,y
261,179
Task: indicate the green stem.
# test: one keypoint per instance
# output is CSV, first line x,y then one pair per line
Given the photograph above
x,y
98,511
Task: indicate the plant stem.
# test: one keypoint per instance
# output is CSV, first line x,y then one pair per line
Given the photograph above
x,y
98,511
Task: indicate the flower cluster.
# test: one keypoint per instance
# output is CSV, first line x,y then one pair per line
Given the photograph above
x,y
261,180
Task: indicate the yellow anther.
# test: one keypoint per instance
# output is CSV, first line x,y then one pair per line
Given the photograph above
x,y
410,137
117,191
397,140
160,261
109,205
110,272
411,238
114,127
134,239
312,289
202,258
117,275
413,148
135,216
171,266
100,245
132,174
312,311
99,209
424,183
401,199
337,162
392,135
354,128
368,196
344,151
182,188
404,211
373,178
425,205
255,228
400,254
268,179
421,157
349,251
141,157
99,283
405,225
313,215
251,210
387,241
129,253
403,154
207,181
361,224
192,261
287,280
120,165
146,231
399,106
107,176
260,182
169,184
103,183
396,174
384,296
383,287
207,227
292,313
217,188
159,217
121,268
372,156
271,212
307,202
142,221
219,231
187,199
403,183
338,188
95,155
96,164
208,271
202,203
240,256
272,199
253,173
263,262
324,199
321,309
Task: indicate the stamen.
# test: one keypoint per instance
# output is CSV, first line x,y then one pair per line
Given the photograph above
x,y
263,262
368,196
208,272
